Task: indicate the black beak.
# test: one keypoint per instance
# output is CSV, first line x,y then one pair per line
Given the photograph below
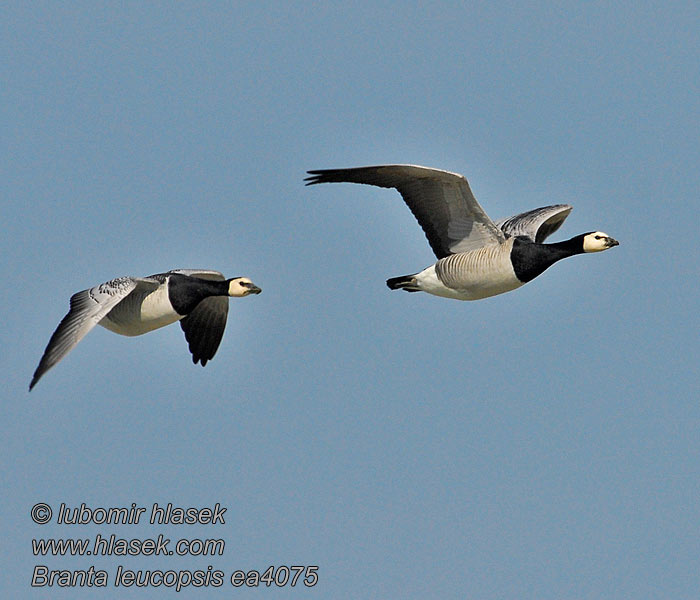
x,y
612,242
252,288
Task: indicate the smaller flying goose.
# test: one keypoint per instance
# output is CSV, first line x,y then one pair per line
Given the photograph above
x,y
136,305
477,258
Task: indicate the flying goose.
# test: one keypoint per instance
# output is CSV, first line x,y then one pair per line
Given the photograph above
x,y
136,305
477,258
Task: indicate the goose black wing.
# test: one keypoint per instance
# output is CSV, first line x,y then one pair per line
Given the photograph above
x,y
204,326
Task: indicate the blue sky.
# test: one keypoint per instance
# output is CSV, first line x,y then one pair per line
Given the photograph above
x,y
540,444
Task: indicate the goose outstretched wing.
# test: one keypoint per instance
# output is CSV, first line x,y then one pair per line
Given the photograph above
x,y
442,202
87,309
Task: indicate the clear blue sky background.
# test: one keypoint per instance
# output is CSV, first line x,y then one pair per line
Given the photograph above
x,y
543,444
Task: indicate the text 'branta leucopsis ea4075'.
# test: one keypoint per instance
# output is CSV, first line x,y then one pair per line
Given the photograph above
x,y
477,258
136,305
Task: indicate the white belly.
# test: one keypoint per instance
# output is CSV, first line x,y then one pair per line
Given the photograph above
x,y
428,281
136,315
471,275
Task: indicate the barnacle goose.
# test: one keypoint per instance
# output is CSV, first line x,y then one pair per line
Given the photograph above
x,y
477,258
136,305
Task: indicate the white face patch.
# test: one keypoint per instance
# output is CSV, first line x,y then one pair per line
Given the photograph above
x,y
240,287
597,242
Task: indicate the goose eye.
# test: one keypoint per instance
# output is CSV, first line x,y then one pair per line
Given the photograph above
x,y
599,237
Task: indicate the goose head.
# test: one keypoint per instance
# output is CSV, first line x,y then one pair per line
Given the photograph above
x,y
242,286
597,241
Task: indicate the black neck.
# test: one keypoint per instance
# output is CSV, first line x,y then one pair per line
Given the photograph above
x,y
568,247
530,260
185,293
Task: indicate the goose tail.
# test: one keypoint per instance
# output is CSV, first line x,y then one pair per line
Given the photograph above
x,y
405,282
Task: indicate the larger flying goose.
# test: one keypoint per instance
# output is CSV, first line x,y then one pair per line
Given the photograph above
x,y
477,258
136,305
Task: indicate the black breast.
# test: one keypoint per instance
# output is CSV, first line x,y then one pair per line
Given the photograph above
x,y
530,259
185,293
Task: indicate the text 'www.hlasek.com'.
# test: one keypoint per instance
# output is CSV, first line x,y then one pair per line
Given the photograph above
x,y
109,544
